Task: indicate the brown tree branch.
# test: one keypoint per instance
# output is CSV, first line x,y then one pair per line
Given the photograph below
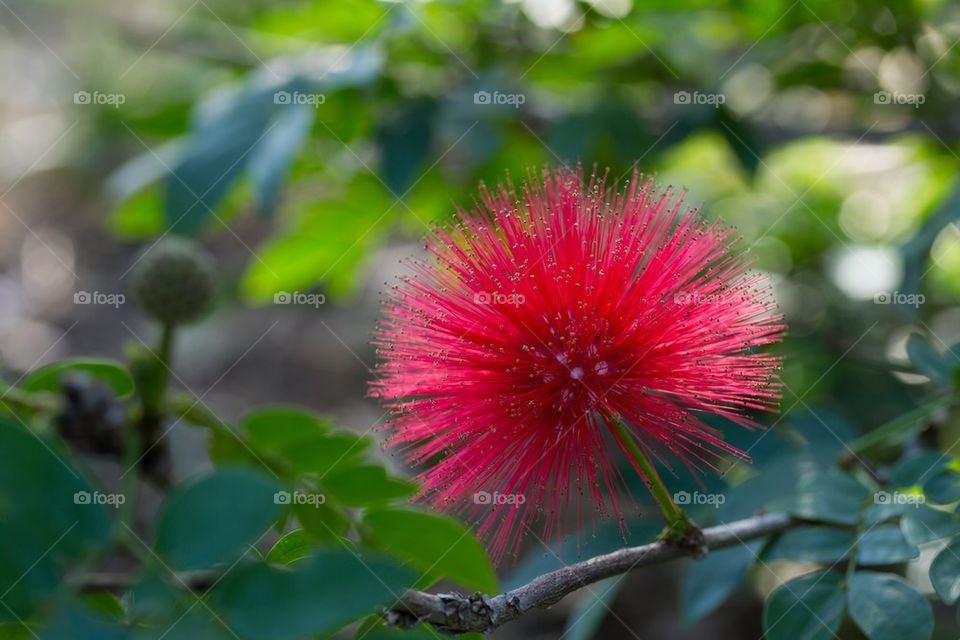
x,y
456,613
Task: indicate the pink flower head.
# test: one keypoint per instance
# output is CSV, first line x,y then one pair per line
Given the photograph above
x,y
539,317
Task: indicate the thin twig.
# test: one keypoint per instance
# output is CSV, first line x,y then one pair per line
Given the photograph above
x,y
456,613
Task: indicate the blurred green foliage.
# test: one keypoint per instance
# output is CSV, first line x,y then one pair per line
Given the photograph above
x,y
312,133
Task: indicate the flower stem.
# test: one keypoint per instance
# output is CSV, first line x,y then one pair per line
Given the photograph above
x,y
679,528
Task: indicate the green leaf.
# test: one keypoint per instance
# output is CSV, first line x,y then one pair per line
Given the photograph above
x,y
328,244
943,487
591,608
811,544
322,455
214,519
438,545
917,468
322,521
17,631
73,623
272,603
140,216
49,377
271,157
226,447
215,154
832,497
106,603
927,361
887,608
274,427
884,544
710,581
925,524
809,607
366,484
885,510
945,573
152,600
49,519
292,547
404,138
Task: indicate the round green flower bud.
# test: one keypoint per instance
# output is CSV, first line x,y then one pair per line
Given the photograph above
x,y
174,281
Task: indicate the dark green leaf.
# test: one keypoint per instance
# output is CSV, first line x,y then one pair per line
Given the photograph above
x,y
811,544
404,139
50,516
324,454
271,158
925,524
887,608
435,544
945,573
366,484
216,154
884,544
918,468
292,547
710,581
49,377
17,631
809,607
74,623
272,603
274,427
216,518
322,521
885,509
105,603
591,608
829,497
824,430
152,600
943,487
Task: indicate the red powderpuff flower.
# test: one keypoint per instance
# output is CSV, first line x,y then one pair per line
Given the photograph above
x,y
540,319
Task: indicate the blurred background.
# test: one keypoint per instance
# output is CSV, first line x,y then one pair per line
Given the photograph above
x,y
309,144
